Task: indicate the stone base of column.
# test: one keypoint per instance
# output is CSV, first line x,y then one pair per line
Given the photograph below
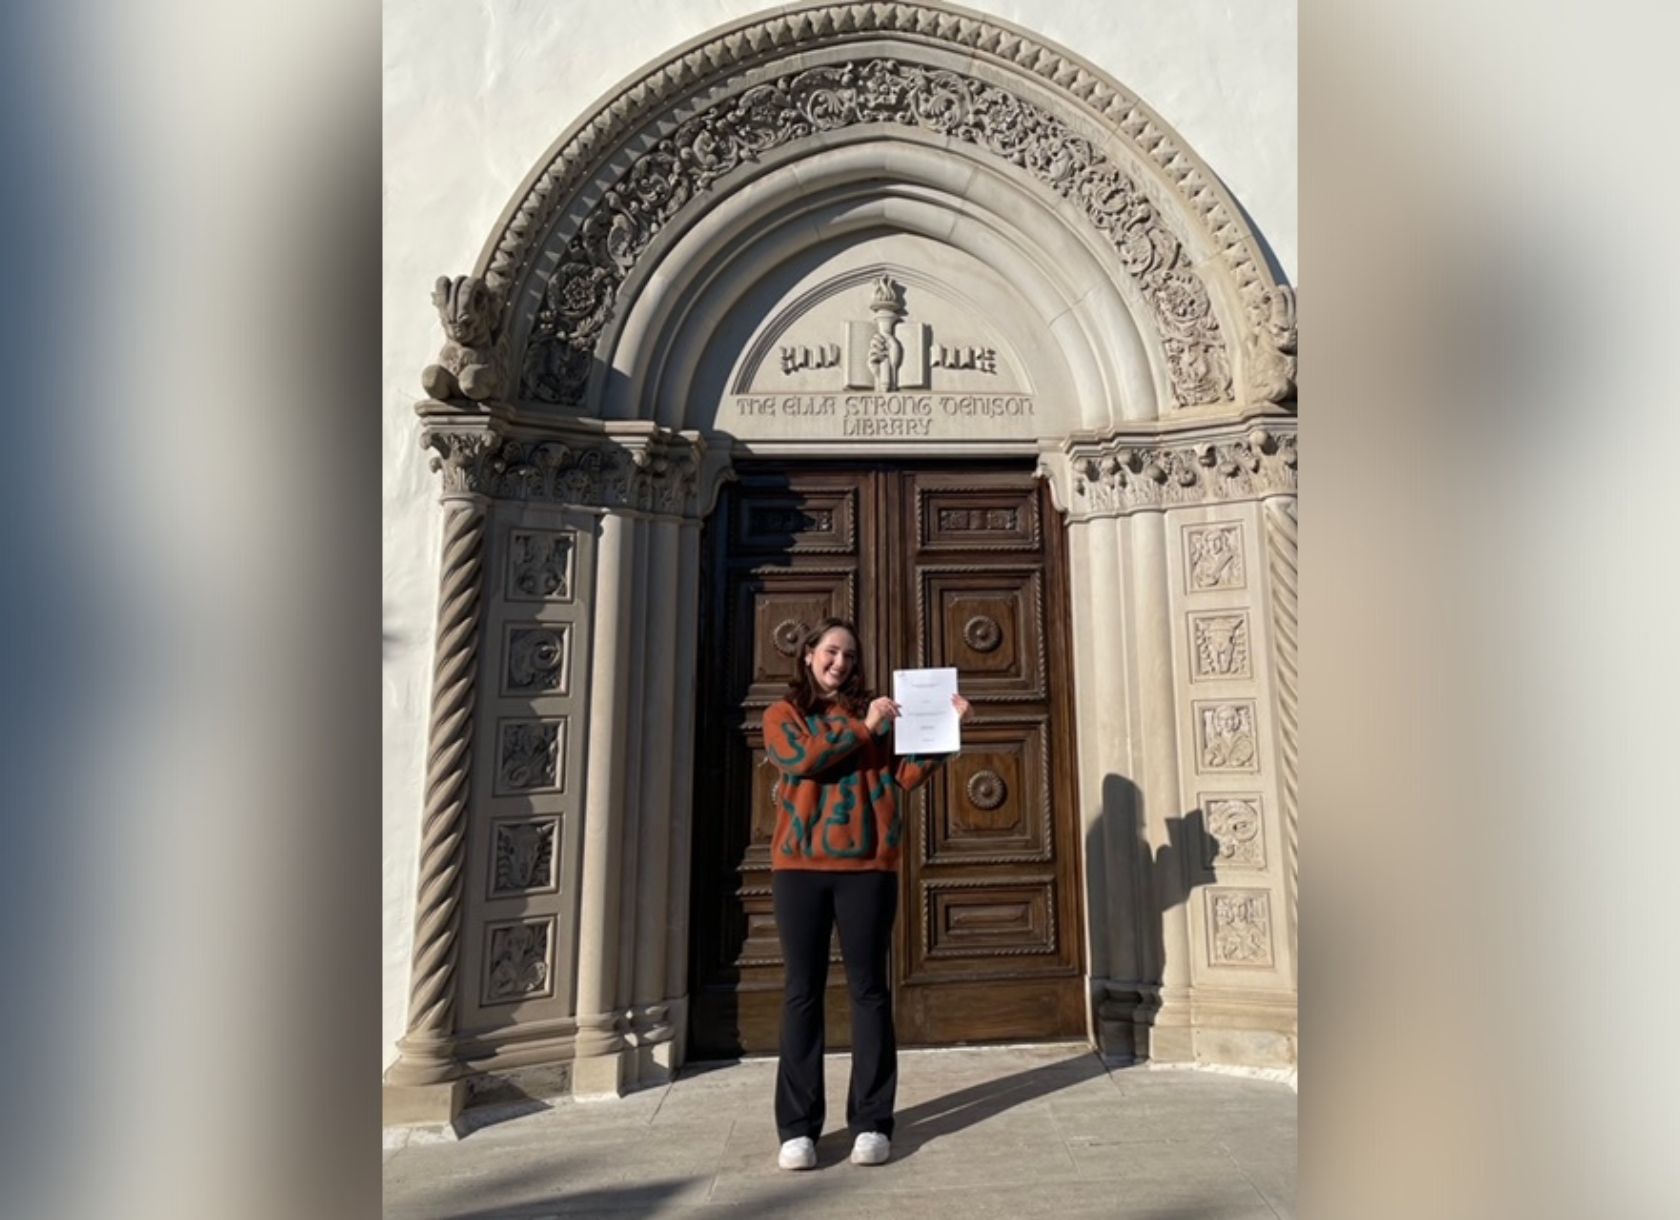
x,y
1245,1028
611,1074
403,1105
1232,1028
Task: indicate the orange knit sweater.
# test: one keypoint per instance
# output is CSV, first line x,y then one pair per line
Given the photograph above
x,y
837,791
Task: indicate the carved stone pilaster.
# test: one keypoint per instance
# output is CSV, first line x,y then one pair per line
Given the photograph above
x,y
1126,474
1282,549
425,1050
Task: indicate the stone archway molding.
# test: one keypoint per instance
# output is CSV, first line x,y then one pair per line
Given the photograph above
x,y
527,324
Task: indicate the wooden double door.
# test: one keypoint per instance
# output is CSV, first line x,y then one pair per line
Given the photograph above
x,y
938,566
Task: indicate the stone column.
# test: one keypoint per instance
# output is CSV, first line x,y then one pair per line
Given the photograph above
x,y
1282,547
650,1012
1157,739
599,1067
424,1084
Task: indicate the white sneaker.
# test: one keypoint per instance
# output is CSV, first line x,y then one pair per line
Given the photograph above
x,y
871,1148
798,1154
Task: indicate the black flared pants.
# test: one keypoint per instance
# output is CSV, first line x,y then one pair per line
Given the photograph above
x,y
809,904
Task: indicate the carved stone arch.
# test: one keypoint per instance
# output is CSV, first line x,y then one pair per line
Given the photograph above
x,y
699,124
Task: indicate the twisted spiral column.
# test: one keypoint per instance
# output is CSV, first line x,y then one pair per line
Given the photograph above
x,y
1282,550
425,1049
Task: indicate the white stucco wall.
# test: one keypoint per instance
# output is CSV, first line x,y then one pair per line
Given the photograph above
x,y
474,94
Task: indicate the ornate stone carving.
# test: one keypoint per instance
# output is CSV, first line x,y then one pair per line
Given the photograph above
x,y
986,790
466,366
982,633
1219,646
538,660
1213,557
1126,475
523,856
424,1050
654,477
581,296
790,30
517,965
528,756
1233,826
540,565
1271,346
1225,737
1239,927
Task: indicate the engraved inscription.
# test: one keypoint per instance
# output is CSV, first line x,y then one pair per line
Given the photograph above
x,y
1239,927
1213,557
1219,646
1225,736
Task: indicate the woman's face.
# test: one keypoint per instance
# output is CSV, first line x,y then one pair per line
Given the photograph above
x,y
833,659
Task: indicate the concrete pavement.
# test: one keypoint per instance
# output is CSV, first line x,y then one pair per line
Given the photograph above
x,y
982,1132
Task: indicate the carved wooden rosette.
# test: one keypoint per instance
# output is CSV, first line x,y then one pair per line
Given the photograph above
x,y
1282,549
425,1048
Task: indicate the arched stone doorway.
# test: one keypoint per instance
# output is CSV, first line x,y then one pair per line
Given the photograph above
x,y
705,272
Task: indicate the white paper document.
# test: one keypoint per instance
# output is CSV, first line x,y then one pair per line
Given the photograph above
x,y
928,724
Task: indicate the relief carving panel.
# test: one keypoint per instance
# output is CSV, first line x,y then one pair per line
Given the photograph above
x,y
1234,826
539,660
1239,927
1225,736
522,857
518,965
1213,557
530,756
1219,646
540,565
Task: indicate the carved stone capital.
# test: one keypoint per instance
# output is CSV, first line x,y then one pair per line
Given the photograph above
x,y
1123,474
649,470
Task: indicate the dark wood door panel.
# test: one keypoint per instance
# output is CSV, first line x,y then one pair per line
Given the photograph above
x,y
987,621
770,613
939,566
991,804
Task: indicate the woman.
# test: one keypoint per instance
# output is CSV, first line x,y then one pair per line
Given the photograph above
x,y
835,855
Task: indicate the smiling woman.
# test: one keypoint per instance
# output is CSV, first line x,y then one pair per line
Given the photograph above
x,y
834,856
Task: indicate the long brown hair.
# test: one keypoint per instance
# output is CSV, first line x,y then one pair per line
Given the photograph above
x,y
803,691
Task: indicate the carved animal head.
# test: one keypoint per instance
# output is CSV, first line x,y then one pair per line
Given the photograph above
x,y
467,308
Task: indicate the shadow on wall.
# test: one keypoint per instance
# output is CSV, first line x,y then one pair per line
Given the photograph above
x,y
1159,878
